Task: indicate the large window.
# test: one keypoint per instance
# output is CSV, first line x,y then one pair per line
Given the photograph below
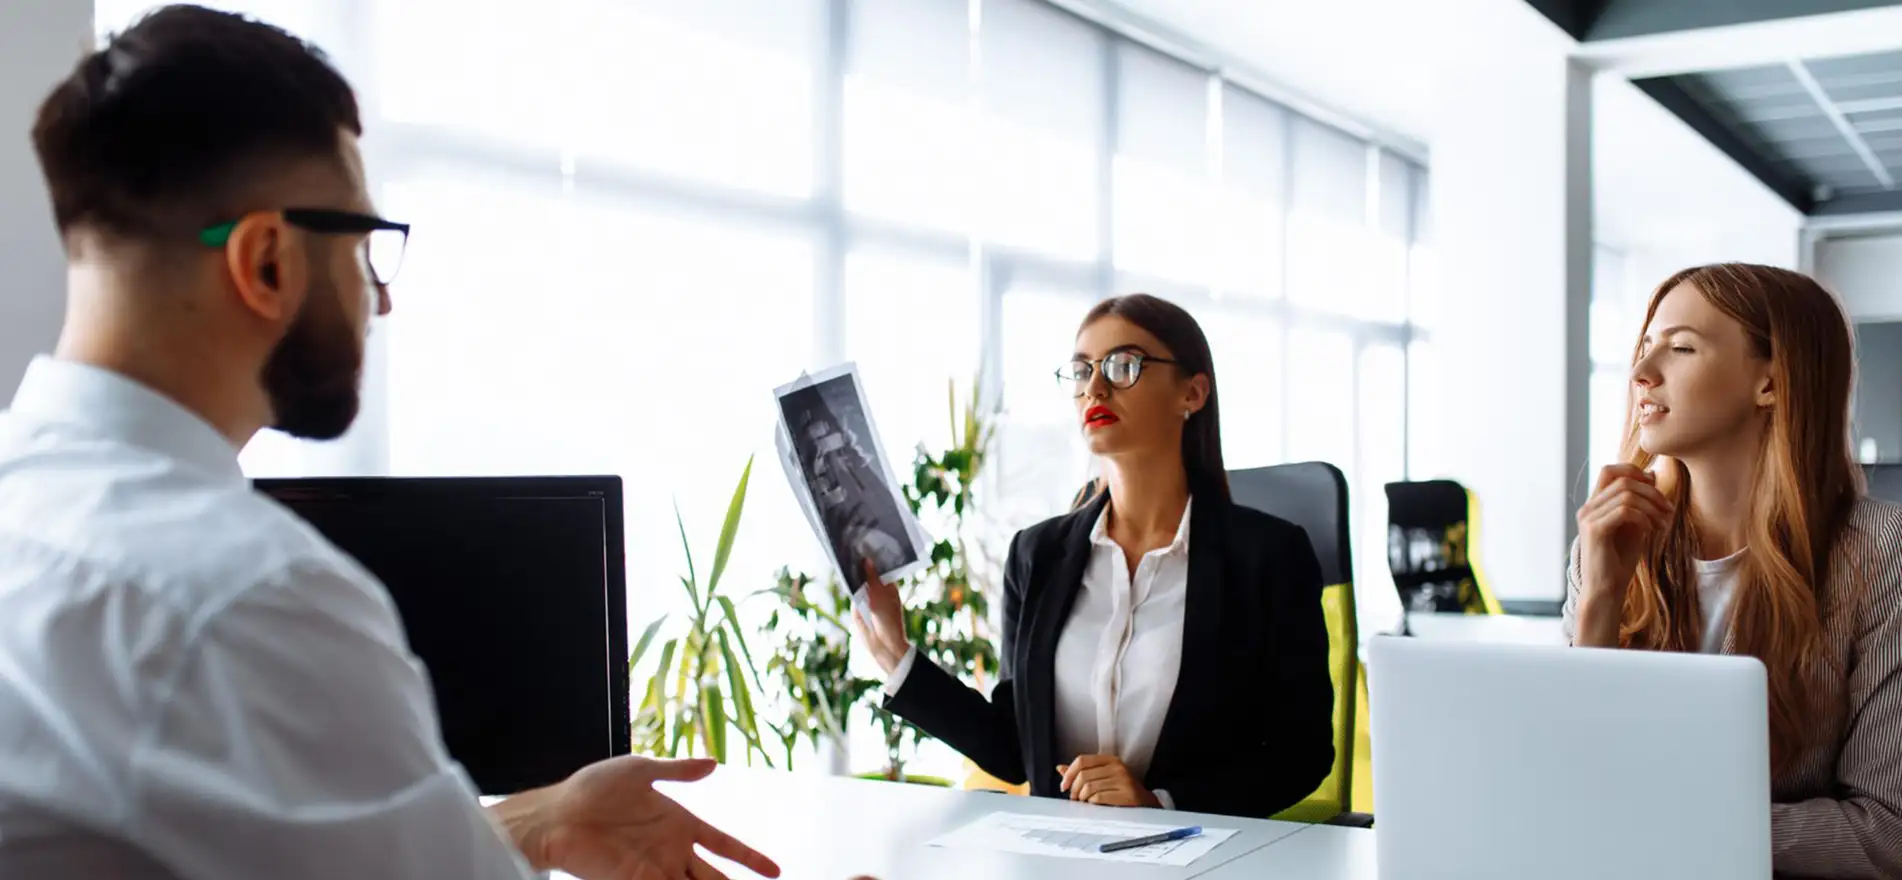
x,y
1042,460
595,336
912,327
634,218
1161,173
1044,97
910,121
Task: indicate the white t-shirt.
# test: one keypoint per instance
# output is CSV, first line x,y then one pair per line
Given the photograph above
x,y
1716,584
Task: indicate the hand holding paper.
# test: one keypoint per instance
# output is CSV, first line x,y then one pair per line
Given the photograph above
x,y
881,622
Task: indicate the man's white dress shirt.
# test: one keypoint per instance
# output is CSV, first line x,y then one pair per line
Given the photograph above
x,y
1119,654
194,684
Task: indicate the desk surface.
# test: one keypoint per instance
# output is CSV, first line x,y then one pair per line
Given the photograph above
x,y
832,828
1320,852
1494,628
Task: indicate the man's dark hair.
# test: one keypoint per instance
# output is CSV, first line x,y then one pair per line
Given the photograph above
x,y
174,119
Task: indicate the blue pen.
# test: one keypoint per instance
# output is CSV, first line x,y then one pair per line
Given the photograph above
x,y
1151,840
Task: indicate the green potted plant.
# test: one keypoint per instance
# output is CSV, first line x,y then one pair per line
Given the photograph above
x,y
703,685
813,665
947,609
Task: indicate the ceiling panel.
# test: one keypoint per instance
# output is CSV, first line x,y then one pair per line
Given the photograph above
x,y
1784,110
1796,132
1820,128
1767,81
1845,158
1859,89
1872,124
1879,64
1838,170
1770,110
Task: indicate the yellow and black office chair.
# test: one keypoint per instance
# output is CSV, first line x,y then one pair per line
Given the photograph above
x,y
1313,495
1432,530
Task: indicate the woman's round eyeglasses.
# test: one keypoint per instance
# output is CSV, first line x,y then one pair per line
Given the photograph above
x,y
1120,369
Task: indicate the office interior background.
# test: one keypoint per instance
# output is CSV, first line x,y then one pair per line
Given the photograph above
x,y
1419,235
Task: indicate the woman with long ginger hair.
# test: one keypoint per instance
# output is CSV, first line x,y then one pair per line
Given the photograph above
x,y
1738,524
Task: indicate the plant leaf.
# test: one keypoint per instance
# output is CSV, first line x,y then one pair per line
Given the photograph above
x,y
687,549
640,647
713,722
742,696
657,694
951,401
730,527
972,431
689,656
654,704
747,718
733,623
659,681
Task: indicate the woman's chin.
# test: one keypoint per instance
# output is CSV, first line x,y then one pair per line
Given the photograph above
x,y
1101,446
1659,444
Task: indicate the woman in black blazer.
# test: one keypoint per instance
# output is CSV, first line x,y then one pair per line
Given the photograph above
x,y
1162,646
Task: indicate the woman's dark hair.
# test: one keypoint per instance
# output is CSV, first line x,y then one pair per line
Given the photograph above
x,y
1174,327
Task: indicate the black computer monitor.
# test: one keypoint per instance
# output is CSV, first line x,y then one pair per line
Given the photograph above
x,y
513,591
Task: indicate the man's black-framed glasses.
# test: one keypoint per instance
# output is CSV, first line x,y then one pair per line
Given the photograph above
x,y
384,244
1120,369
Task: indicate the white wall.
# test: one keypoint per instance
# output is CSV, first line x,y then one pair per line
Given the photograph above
x,y
40,40
1668,199
1511,224
1866,271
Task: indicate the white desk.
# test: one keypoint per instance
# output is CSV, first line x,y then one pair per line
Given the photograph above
x,y
1320,852
1494,628
832,828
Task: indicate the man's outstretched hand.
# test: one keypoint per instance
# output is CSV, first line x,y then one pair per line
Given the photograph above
x,y
607,822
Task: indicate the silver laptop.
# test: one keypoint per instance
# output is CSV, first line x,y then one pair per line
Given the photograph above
x,y
1506,762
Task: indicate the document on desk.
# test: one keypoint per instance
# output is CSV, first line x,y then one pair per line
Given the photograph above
x,y
1078,839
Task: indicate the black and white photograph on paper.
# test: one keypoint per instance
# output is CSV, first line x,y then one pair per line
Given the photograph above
x,y
830,449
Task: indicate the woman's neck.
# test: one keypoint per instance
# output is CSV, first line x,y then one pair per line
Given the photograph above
x,y
1148,498
1722,489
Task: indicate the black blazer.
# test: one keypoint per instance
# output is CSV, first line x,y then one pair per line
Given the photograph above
x,y
1250,729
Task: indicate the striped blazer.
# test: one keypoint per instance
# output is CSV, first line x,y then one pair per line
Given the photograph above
x,y
1838,812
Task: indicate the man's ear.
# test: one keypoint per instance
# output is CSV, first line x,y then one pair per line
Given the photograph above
x,y
267,265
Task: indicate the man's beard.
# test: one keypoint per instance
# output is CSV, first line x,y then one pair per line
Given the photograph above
x,y
312,377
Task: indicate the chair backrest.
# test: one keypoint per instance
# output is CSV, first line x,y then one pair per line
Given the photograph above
x,y
1430,536
1313,495
1885,481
